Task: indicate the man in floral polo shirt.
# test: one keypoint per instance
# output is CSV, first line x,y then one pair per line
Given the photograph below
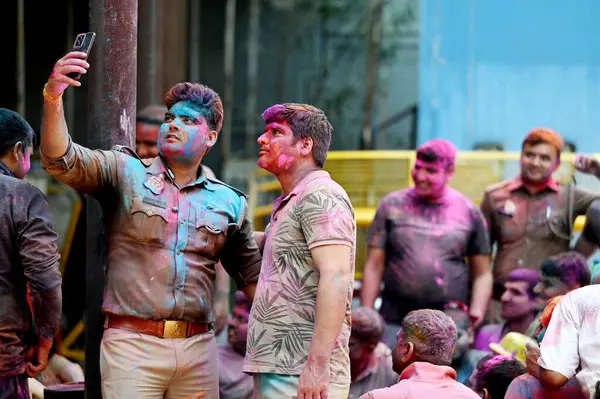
x,y
300,320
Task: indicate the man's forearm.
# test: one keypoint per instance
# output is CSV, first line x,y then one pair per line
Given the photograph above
x,y
332,295
371,284
47,310
481,292
54,137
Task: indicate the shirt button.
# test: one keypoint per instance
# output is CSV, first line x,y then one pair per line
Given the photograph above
x,y
181,221
178,253
520,262
149,212
179,287
210,207
175,209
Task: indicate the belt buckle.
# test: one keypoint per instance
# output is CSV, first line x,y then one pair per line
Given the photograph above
x,y
175,329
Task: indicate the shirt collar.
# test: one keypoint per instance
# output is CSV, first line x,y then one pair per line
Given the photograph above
x,y
299,187
517,183
4,170
158,166
424,371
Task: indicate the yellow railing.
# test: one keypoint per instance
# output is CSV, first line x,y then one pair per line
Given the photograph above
x,y
367,176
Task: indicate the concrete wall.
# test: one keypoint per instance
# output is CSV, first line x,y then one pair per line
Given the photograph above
x,y
491,70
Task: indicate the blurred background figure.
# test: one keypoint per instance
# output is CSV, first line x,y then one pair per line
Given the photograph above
x,y
518,308
527,386
560,274
464,359
233,383
147,125
495,375
370,359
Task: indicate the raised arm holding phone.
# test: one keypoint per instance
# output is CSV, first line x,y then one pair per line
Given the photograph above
x,y
171,225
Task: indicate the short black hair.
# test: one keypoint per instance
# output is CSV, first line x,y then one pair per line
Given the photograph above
x,y
14,128
569,267
496,374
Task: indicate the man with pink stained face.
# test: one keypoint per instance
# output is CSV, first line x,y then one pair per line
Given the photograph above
x,y
168,224
418,243
299,324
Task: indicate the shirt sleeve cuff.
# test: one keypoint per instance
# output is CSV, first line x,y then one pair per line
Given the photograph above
x,y
556,368
332,241
59,164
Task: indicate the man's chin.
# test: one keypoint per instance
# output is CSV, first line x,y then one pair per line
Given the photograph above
x,y
263,164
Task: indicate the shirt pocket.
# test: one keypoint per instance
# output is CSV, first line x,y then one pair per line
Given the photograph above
x,y
208,231
148,222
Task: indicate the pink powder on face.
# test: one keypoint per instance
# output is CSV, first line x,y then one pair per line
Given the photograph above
x,y
285,161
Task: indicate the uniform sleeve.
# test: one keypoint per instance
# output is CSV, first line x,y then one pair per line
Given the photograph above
x,y
378,235
240,256
326,217
583,199
591,230
83,169
36,243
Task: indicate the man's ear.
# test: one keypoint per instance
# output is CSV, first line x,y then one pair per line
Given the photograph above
x,y
306,146
408,351
211,138
486,394
18,151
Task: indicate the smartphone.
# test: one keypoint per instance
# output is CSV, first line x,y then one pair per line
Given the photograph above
x,y
83,42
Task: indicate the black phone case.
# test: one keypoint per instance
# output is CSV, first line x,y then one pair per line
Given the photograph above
x,y
83,42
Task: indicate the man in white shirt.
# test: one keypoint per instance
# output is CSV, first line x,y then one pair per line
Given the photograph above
x,y
570,346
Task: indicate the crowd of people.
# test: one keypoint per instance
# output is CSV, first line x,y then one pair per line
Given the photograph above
x,y
486,301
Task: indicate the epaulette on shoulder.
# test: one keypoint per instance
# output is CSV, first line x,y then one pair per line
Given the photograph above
x,y
498,186
128,151
237,191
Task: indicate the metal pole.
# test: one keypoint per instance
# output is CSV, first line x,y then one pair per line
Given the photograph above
x,y
228,92
147,55
111,120
195,40
21,57
253,48
375,11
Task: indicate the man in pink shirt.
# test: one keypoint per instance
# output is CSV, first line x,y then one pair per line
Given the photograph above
x,y
422,357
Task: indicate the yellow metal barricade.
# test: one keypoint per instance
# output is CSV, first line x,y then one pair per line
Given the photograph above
x,y
367,176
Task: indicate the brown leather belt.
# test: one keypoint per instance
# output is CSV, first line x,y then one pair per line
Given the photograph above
x,y
160,329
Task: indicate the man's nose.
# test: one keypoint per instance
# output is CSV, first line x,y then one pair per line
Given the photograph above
x,y
536,161
262,139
